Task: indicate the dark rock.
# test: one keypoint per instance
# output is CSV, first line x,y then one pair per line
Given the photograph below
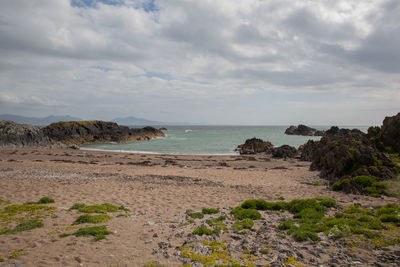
x,y
20,135
308,149
82,132
284,151
72,133
254,146
349,153
163,129
387,137
303,130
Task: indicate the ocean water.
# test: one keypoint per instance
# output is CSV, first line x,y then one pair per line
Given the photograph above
x,y
208,140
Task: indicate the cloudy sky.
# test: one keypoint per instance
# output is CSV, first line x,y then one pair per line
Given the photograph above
x,y
271,62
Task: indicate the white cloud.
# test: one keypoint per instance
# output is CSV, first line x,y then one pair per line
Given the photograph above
x,y
121,60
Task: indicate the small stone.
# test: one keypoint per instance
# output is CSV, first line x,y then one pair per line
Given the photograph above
x,y
149,223
155,235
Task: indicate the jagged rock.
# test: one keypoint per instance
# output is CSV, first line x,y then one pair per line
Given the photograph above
x,y
284,151
387,137
71,134
163,129
351,154
303,130
81,132
307,150
254,146
20,135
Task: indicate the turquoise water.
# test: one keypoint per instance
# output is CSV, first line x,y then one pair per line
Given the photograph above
x,y
208,140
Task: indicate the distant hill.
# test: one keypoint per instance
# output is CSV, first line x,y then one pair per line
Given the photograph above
x,y
135,121
37,121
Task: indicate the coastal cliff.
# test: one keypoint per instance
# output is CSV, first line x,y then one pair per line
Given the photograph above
x,y
70,133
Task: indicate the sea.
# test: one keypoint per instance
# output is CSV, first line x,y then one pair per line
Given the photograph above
x,y
209,140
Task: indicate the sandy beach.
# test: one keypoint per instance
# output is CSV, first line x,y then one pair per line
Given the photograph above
x,y
157,189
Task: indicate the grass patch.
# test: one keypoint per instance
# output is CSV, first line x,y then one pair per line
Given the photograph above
x,y
24,216
241,213
98,232
209,211
97,208
365,184
92,219
202,230
196,215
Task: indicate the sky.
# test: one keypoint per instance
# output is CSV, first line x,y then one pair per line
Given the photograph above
x,y
247,62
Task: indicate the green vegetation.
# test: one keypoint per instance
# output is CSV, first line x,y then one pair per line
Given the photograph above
x,y
153,264
1,258
340,185
23,226
3,202
214,221
196,215
209,211
244,224
202,230
366,184
218,253
24,216
101,208
70,123
92,219
326,201
16,253
98,232
241,213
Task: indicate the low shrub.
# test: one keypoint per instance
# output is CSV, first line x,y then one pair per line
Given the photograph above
x,y
209,211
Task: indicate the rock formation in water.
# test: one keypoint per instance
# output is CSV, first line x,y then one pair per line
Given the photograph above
x,y
71,133
303,130
254,146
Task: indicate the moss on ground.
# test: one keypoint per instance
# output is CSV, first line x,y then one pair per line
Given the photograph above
x,y
86,218
209,211
202,230
97,208
23,216
196,215
98,232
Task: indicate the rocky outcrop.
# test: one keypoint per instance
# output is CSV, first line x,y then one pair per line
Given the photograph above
x,y
254,146
20,135
73,133
352,154
387,137
303,130
307,150
284,151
